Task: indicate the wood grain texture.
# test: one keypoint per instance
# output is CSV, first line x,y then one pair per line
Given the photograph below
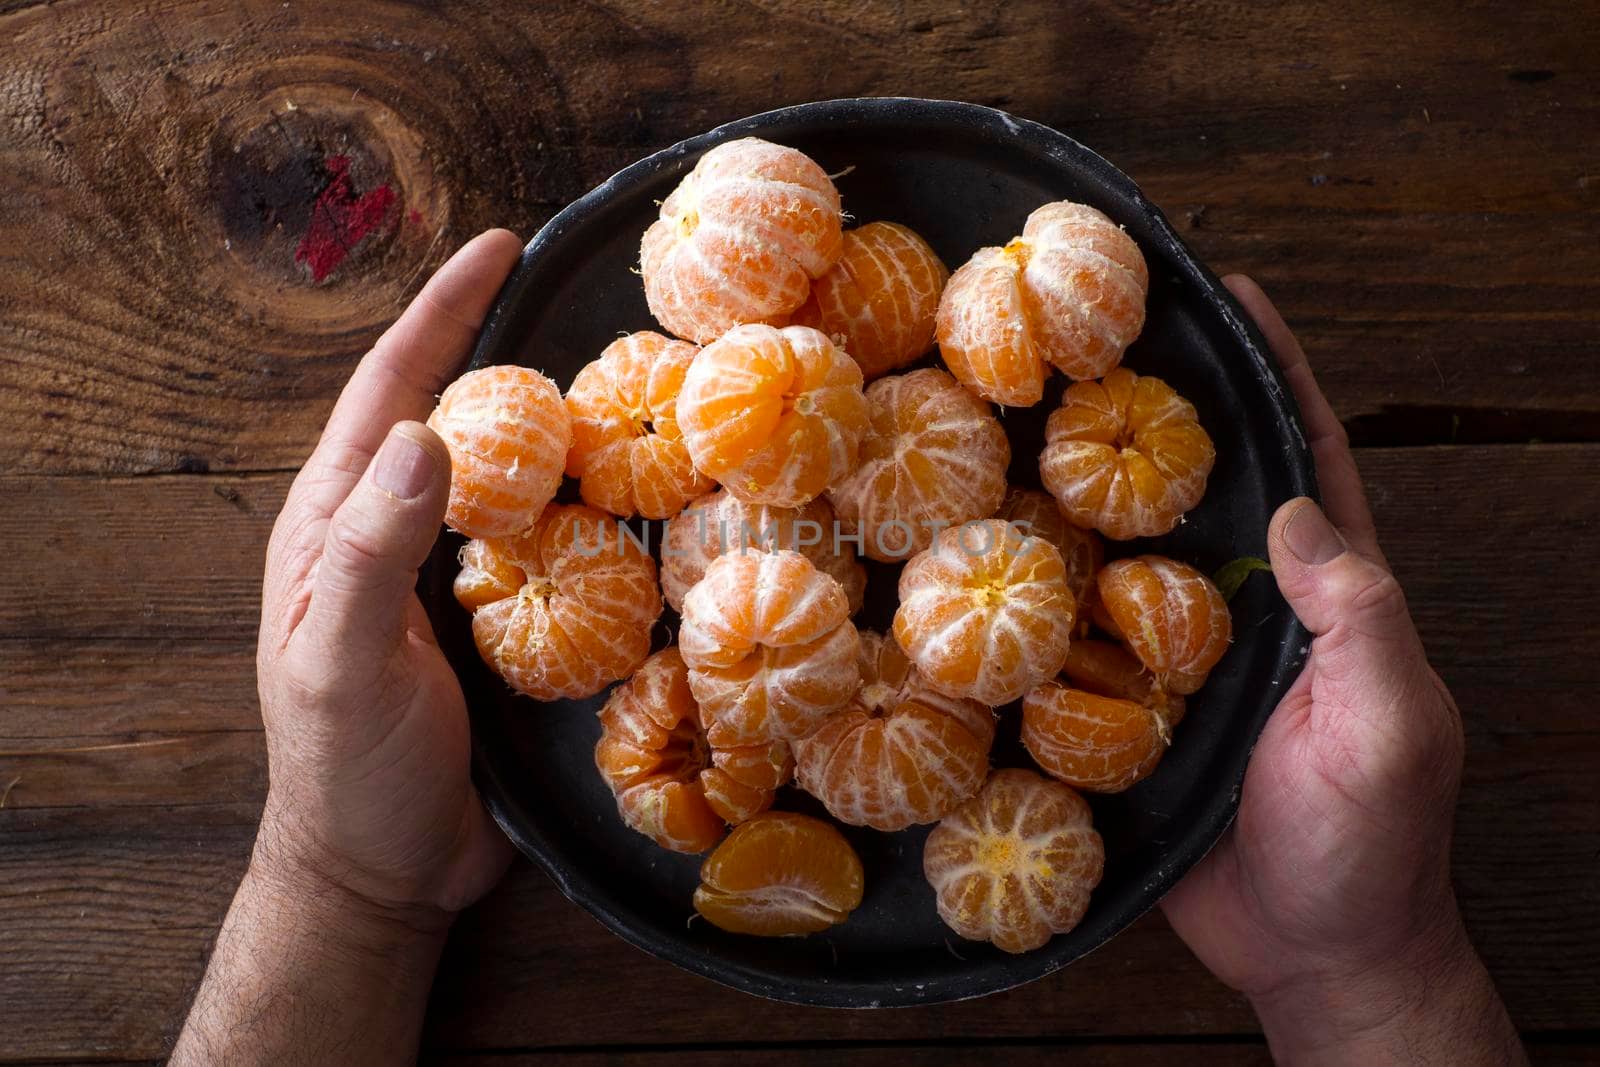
x,y
1427,214
91,842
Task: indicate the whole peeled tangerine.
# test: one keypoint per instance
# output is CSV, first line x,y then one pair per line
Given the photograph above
x,y
1170,615
775,415
508,433
1126,456
740,240
879,301
1068,293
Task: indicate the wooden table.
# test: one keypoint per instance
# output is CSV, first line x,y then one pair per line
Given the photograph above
x,y
209,209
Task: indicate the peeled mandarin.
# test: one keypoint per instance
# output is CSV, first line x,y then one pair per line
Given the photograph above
x,y
780,875
740,239
934,456
508,434
720,522
1171,616
1092,742
879,301
671,785
775,415
1015,864
1126,456
564,609
1069,292
770,647
1082,550
900,753
985,612
627,451
1110,670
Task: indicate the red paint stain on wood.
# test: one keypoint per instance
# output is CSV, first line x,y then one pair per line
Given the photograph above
x,y
340,219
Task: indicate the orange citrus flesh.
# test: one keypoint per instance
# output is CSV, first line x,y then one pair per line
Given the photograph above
x,y
775,415
670,784
770,647
508,433
740,239
934,456
1068,292
780,875
1126,456
879,300
627,450
1092,742
1015,864
1110,670
1081,550
1170,615
985,613
554,616
720,522
900,753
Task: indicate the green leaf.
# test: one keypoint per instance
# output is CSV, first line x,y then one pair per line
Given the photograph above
x,y
1233,574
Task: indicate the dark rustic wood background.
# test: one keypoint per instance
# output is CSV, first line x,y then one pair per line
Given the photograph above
x,y
1417,185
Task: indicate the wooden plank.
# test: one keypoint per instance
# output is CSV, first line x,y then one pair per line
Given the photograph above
x,y
955,1054
171,558
1427,214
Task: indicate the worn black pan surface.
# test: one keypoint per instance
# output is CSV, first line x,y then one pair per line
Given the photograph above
x,y
963,176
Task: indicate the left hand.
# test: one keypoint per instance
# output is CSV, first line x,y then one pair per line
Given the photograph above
x,y
367,736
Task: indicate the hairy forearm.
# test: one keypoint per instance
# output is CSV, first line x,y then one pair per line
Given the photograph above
x,y
1433,1004
305,972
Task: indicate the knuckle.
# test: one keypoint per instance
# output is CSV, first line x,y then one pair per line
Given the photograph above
x,y
351,546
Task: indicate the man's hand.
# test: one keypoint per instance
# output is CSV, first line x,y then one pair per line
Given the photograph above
x,y
1329,902
372,836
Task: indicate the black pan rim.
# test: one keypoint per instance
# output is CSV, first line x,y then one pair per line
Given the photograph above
x,y
979,978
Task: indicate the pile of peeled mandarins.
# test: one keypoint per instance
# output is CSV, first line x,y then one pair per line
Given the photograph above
x,y
753,432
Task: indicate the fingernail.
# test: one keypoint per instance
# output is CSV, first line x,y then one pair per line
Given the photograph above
x,y
1311,537
403,468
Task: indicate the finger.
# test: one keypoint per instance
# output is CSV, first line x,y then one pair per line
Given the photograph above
x,y
396,380
402,376
1337,474
374,544
1351,603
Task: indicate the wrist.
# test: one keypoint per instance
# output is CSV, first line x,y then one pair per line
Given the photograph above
x,y
288,868
1412,1001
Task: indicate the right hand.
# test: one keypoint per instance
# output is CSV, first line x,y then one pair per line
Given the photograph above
x,y
1329,900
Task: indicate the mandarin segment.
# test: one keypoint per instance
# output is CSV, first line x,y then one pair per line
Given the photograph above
x,y
985,612
1170,615
1126,455
770,647
901,753
1110,670
671,785
879,301
740,239
720,523
627,450
1068,292
1081,550
563,610
1092,742
780,875
1015,864
775,415
934,456
508,433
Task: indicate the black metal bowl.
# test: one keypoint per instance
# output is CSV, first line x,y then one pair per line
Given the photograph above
x,y
962,176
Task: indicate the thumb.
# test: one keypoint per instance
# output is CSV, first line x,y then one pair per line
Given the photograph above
x,y
375,542
1349,601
